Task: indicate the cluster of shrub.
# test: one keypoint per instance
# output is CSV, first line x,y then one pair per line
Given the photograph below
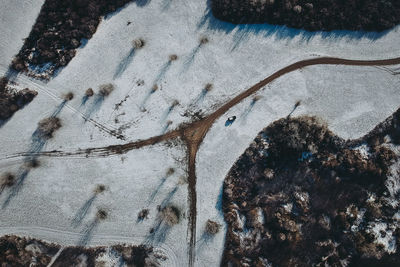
x,y
21,251
11,100
287,209
59,30
312,15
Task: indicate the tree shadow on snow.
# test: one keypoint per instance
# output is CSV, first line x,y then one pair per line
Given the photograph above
x,y
167,112
88,232
190,58
94,107
3,122
247,111
218,205
83,211
124,64
142,3
155,192
168,197
85,98
161,74
166,127
165,4
158,233
201,96
160,229
38,141
11,74
242,32
204,240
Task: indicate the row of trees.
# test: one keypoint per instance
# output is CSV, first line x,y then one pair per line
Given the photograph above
x,y
313,15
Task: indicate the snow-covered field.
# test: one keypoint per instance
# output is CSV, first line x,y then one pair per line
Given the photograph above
x,y
352,100
16,20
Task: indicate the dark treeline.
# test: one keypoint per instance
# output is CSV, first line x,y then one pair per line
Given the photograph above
x,y
312,15
60,28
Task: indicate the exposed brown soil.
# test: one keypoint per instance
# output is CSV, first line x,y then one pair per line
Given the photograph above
x,y
21,251
313,15
302,196
58,32
194,133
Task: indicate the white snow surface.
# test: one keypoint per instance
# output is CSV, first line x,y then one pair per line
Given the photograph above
x,y
352,100
16,20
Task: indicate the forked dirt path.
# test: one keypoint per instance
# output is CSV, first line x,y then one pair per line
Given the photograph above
x,y
193,134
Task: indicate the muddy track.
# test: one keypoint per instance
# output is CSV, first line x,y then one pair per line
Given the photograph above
x,y
194,133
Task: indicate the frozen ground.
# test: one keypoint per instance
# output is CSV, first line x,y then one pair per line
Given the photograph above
x,y
351,99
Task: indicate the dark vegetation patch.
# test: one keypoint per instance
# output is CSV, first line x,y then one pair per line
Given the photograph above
x,y
312,15
12,100
78,256
302,196
21,251
59,30
139,255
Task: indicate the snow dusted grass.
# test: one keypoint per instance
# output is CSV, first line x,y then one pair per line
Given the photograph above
x,y
352,100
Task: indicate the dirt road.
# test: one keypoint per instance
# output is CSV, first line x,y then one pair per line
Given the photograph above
x,y
194,133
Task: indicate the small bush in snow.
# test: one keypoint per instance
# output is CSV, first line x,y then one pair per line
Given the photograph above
x,y
173,57
47,126
7,180
170,215
106,89
256,98
208,87
101,214
203,40
68,96
175,103
170,171
138,43
89,92
33,163
100,188
212,227
154,88
143,214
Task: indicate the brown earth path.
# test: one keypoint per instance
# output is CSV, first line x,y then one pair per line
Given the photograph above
x,y
193,134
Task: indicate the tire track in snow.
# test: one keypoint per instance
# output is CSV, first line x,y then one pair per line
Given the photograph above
x,y
25,81
194,133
